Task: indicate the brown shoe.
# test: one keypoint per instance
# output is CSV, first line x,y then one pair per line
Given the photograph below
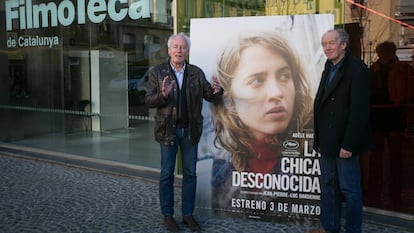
x,y
170,224
320,230
191,223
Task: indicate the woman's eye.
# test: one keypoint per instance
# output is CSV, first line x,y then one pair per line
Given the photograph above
x,y
285,76
256,81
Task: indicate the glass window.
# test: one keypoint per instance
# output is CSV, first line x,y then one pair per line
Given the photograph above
x,y
76,71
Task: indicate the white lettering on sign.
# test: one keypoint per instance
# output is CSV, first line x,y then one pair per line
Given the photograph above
x,y
295,183
14,41
29,15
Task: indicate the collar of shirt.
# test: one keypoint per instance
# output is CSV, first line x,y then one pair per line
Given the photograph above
x,y
332,70
179,74
339,64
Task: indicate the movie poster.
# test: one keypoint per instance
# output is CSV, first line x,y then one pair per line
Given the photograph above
x,y
255,155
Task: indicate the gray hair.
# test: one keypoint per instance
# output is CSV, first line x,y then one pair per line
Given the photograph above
x,y
343,36
182,35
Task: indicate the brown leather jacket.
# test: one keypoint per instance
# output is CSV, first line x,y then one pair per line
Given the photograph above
x,y
198,88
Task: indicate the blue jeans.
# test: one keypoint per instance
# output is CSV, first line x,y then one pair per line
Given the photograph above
x,y
168,159
341,176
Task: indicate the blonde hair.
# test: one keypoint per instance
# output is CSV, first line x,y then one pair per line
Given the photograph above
x,y
231,133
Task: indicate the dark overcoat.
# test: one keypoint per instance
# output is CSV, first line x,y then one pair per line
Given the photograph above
x,y
342,111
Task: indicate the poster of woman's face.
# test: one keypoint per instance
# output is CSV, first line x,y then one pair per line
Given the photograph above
x,y
269,68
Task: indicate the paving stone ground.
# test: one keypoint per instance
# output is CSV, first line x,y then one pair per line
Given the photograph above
x,y
44,196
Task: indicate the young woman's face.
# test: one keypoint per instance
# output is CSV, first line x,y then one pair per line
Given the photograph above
x,y
263,91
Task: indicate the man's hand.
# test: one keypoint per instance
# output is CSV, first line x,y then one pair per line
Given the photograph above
x,y
216,85
345,154
167,86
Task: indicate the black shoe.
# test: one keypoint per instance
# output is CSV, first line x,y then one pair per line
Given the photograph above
x,y
191,223
170,224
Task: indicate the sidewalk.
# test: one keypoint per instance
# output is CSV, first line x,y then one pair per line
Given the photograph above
x,y
40,195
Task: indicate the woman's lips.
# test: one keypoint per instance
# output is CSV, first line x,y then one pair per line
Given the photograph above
x,y
277,113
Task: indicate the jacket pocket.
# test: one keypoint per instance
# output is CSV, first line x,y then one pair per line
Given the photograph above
x,y
160,126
